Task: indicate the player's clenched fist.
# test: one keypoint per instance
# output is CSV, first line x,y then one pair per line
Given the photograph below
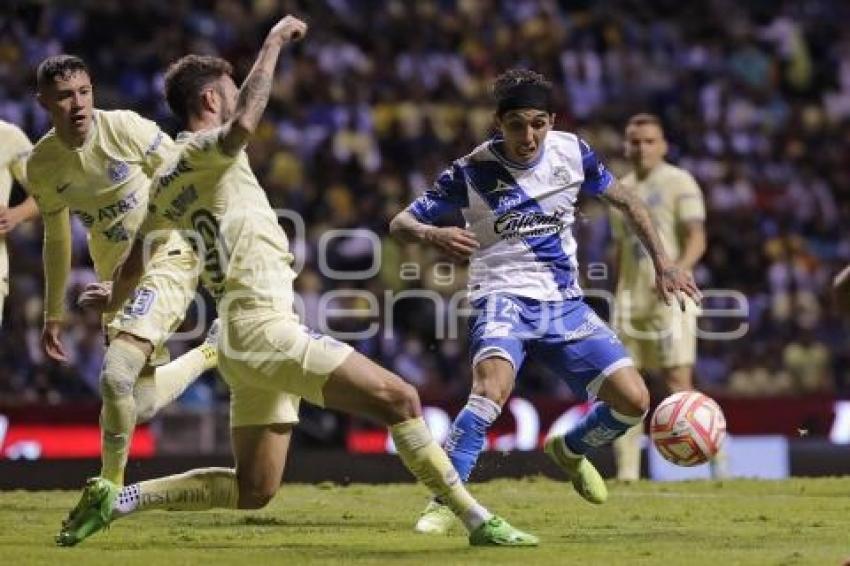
x,y
457,242
288,30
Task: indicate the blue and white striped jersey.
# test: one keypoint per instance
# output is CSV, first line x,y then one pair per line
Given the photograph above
x,y
522,214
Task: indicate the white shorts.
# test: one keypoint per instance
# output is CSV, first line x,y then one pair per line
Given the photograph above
x,y
270,360
159,302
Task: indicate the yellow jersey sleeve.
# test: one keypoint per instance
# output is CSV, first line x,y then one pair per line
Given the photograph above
x,y
145,138
20,147
205,150
690,205
56,255
45,196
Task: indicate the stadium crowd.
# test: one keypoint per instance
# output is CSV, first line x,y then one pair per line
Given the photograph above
x,y
755,98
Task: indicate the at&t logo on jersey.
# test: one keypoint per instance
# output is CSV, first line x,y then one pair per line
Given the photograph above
x,y
117,170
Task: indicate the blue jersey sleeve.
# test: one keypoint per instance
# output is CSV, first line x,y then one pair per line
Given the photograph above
x,y
597,178
447,195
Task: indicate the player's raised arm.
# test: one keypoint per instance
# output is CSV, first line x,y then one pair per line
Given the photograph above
x,y
254,92
670,278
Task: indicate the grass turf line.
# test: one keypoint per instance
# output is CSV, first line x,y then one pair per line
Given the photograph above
x,y
740,522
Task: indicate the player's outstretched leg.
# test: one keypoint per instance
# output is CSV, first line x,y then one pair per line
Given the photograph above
x,y
157,389
104,501
124,361
466,440
492,383
360,387
260,452
624,402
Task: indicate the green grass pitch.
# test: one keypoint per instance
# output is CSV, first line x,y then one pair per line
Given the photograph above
x,y
800,521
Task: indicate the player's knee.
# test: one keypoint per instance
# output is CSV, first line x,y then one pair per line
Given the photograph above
x,y
493,378
627,393
114,383
122,364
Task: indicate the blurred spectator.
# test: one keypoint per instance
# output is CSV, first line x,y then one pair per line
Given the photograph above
x,y
384,94
809,363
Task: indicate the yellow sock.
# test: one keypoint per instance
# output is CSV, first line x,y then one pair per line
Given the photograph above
x,y
430,465
195,490
160,388
627,454
121,367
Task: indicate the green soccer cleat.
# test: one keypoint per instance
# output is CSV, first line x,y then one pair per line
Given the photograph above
x,y
82,503
91,514
580,471
498,532
436,519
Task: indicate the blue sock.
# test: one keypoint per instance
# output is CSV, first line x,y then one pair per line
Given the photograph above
x,y
597,428
469,432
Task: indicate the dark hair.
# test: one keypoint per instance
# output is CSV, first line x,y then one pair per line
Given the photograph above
x,y
522,88
645,119
505,83
187,77
59,66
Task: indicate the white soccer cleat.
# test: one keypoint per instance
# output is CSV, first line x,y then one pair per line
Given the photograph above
x,y
436,519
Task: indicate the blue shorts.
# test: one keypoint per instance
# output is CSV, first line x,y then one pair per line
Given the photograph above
x,y
566,336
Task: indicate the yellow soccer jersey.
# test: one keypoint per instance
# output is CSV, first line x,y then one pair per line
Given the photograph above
x,y
13,151
221,210
674,199
105,182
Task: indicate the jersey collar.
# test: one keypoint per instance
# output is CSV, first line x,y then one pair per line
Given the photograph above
x,y
495,149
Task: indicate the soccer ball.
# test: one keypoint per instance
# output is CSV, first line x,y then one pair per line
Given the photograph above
x,y
688,428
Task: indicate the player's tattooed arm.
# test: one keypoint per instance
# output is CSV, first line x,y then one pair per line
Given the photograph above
x,y
458,243
635,211
255,91
670,279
